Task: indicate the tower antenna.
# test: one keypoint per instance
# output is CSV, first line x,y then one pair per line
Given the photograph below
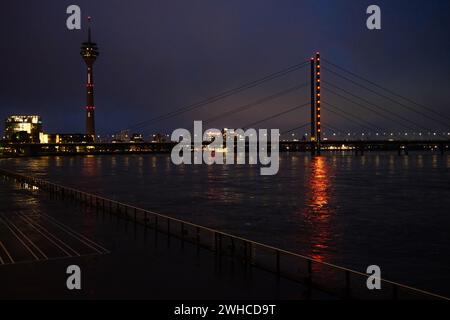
x,y
89,18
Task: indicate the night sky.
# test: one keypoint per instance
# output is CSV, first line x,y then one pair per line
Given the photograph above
x,y
158,56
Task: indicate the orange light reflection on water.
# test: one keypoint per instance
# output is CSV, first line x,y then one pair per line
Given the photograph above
x,y
317,210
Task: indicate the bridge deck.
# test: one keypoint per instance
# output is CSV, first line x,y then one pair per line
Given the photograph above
x,y
12,150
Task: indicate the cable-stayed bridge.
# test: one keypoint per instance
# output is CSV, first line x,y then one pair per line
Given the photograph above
x,y
331,108
375,117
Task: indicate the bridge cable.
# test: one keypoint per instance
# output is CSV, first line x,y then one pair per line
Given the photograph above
x,y
277,115
378,107
296,128
387,90
348,118
367,108
333,128
365,122
388,98
255,103
223,95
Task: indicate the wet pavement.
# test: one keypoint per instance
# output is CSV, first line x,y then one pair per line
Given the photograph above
x,y
41,237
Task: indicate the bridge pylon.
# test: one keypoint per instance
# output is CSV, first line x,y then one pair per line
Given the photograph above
x,y
316,128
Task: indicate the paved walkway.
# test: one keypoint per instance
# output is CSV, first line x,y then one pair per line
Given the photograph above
x,y
40,237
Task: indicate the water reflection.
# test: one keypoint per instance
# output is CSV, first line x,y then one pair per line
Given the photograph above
x,y
318,212
333,208
90,166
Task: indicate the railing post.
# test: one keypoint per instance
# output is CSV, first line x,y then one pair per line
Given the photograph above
x,y
215,242
278,262
168,227
245,252
198,235
309,271
347,284
395,292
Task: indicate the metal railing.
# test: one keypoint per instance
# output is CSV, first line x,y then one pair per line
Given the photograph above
x,y
330,278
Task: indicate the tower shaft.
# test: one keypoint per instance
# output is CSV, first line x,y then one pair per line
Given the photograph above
x,y
90,108
89,53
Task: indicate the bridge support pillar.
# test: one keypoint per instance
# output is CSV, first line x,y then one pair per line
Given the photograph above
x,y
312,149
318,100
316,129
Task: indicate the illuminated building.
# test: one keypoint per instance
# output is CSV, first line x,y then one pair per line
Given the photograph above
x,y
73,138
158,138
44,137
123,136
89,52
137,137
25,129
58,138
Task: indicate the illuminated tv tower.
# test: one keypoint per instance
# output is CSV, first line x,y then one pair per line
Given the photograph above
x,y
89,52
